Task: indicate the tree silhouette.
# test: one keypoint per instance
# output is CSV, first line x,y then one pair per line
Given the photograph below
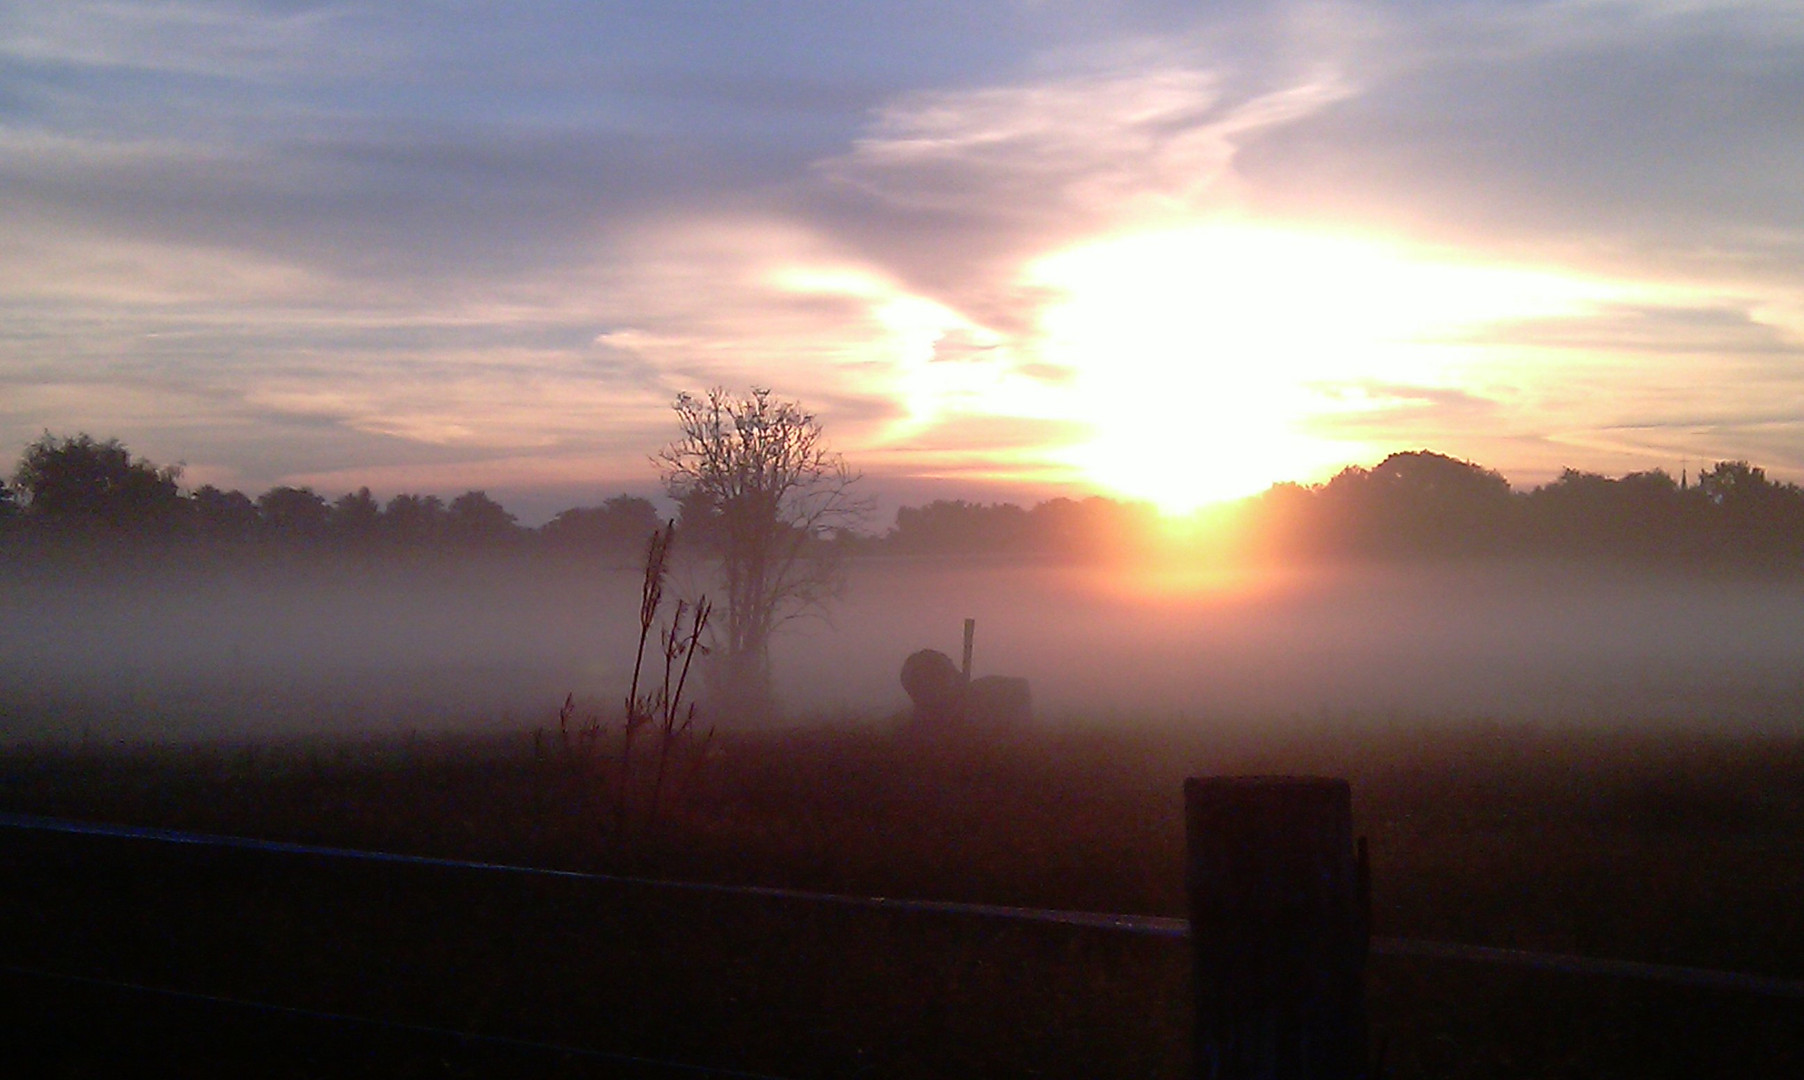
x,y
474,519
414,521
953,525
1749,513
1060,526
760,471
356,519
1419,501
228,516
294,515
623,522
1088,527
1589,513
699,519
79,484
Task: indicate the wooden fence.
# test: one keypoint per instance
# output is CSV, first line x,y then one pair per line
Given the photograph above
x,y
1279,930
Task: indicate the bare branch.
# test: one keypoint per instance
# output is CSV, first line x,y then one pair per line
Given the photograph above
x,y
764,493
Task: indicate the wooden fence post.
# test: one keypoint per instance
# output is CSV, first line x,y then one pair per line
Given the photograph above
x,y
1278,927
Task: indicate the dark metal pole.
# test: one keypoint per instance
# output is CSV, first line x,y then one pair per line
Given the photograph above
x,y
970,634
1278,927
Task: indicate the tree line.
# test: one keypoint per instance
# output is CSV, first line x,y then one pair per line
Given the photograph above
x,y
1423,504
1061,526
70,490
78,490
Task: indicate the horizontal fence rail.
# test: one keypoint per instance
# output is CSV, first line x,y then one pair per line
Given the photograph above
x,y
1153,925
462,1038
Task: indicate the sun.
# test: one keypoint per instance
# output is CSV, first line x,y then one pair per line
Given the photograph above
x,y
1207,358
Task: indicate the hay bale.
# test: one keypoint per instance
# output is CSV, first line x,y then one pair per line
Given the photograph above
x,y
999,701
935,686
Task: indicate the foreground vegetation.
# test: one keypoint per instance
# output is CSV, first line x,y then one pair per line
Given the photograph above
x,y
1666,847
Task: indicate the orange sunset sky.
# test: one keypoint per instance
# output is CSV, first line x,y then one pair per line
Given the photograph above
x,y
1005,250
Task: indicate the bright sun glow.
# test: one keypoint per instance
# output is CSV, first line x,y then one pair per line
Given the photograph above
x,y
1201,355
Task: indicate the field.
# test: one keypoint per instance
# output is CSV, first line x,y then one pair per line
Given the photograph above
x,y
1611,841
173,651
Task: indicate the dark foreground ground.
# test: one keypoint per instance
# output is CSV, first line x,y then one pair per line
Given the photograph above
x,y
1679,849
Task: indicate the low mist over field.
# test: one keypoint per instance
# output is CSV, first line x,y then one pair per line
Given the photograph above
x,y
318,648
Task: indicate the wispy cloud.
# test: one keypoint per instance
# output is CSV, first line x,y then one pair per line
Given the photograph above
x,y
956,189
1098,145
243,41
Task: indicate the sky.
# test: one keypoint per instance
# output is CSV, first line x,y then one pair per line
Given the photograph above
x,y
1173,251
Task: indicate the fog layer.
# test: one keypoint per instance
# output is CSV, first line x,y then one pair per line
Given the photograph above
x,y
281,651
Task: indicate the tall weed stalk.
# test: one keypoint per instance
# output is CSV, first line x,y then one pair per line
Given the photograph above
x,y
678,645
642,710
661,706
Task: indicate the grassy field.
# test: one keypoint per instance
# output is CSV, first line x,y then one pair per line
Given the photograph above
x,y
1657,846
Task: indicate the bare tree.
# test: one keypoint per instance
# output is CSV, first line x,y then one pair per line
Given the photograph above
x,y
766,497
